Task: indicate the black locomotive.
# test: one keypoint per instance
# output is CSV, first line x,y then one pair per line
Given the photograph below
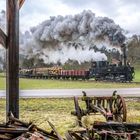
x,y
102,70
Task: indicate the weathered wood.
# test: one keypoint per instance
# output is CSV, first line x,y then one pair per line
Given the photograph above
x,y
116,126
3,38
21,3
12,82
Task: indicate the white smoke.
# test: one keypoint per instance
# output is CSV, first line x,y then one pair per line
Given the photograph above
x,y
63,54
57,39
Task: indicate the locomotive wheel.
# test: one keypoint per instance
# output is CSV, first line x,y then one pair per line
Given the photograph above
x,y
77,110
119,109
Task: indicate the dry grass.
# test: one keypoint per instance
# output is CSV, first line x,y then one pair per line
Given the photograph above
x,y
58,111
133,113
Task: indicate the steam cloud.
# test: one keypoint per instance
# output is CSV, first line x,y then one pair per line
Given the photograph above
x,y
71,38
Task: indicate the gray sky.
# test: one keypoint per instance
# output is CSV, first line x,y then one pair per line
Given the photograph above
x,y
126,13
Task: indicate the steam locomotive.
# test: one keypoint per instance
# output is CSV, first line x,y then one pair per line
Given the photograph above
x,y
102,70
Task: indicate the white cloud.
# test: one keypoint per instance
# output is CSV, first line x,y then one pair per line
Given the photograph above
x,y
2,5
128,17
35,14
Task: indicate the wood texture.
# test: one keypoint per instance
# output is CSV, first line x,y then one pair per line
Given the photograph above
x,y
21,3
12,80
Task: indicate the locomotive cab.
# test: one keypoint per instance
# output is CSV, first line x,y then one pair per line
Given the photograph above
x,y
99,64
97,68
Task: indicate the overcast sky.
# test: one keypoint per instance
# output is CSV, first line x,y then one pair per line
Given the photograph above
x,y
126,13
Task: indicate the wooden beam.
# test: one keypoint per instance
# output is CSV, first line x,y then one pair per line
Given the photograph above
x,y
12,80
21,3
3,38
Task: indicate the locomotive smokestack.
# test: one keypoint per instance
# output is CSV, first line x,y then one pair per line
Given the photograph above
x,y
123,46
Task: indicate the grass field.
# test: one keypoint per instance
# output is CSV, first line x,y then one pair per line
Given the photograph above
x,y
137,75
58,111
60,84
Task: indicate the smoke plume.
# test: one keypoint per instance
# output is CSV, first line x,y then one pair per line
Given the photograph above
x,y
60,39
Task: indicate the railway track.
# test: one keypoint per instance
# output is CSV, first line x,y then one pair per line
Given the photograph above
x,y
89,80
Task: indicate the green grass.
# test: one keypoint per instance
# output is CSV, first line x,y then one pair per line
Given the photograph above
x,y
137,75
60,84
58,111
2,81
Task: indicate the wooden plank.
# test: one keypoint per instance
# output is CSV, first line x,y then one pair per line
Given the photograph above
x,y
21,3
3,38
12,80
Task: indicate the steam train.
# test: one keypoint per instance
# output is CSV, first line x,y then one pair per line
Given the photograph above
x,y
100,71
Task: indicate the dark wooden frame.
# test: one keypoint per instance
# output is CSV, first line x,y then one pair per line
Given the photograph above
x,y
12,80
11,43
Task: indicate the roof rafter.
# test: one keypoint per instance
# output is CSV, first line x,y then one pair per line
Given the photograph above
x,y
21,3
3,38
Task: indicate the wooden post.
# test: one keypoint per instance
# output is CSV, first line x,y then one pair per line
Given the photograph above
x,y
12,81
